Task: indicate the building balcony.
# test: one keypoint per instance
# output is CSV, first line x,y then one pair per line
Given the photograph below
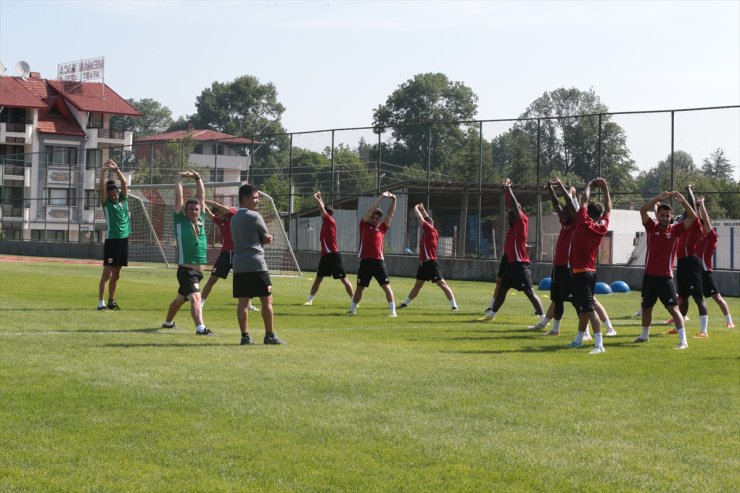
x,y
219,161
94,137
16,133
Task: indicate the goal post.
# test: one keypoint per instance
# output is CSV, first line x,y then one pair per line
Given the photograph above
x,y
152,238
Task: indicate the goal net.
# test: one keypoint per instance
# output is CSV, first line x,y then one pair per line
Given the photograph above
x,y
153,238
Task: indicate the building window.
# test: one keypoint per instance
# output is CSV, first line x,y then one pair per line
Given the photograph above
x,y
219,149
48,235
93,159
61,156
61,196
95,120
198,149
217,175
92,199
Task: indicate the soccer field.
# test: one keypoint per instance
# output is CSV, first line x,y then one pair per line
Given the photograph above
x,y
429,401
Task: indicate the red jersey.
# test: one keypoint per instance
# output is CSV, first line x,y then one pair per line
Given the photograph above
x,y
686,245
371,240
586,240
429,239
227,243
705,249
515,244
661,247
328,235
562,247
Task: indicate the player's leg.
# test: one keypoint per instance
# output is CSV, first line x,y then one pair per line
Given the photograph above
x,y
104,277
347,286
314,289
172,310
413,293
212,280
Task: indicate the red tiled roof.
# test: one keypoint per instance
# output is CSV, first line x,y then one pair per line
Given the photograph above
x,y
197,135
94,96
16,95
57,124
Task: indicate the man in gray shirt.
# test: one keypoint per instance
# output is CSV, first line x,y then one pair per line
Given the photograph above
x,y
251,277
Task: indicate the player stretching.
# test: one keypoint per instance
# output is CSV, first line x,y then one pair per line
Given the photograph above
x,y
331,261
117,231
592,223
429,267
661,250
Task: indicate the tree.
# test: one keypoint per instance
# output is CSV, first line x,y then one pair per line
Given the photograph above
x,y
155,118
718,166
577,136
426,98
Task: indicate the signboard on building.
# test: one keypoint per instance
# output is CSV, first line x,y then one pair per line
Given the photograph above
x,y
92,69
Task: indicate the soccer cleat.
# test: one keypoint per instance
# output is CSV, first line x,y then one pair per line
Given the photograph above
x,y
682,345
253,308
553,333
701,335
611,332
454,308
575,344
638,313
113,305
587,337
402,305
671,331
102,308
730,325
350,312
597,350
537,326
308,303
204,332
168,326
392,315
640,339
489,315
273,339
246,339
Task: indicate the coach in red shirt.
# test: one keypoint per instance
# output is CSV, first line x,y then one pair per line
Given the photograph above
x,y
372,263
657,282
592,223
331,261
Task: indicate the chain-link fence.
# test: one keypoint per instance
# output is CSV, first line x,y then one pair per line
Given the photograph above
x,y
454,168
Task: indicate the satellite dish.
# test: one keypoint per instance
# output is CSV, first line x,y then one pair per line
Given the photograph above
x,y
2,68
23,69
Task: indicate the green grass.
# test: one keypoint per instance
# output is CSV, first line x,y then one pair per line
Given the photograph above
x,y
430,401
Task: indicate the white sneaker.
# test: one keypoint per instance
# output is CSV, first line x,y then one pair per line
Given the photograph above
x,y
588,338
553,333
682,345
253,308
488,315
308,303
611,332
392,315
537,326
597,350
350,312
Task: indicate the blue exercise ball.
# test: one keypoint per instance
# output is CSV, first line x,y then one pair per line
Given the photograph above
x,y
620,287
602,288
545,284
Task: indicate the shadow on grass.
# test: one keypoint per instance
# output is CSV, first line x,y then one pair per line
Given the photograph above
x,y
172,345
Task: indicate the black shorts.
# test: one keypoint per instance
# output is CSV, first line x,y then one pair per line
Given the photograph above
x,y
561,285
252,284
517,276
331,265
189,280
429,271
115,252
583,291
370,268
502,267
222,266
654,287
688,277
709,285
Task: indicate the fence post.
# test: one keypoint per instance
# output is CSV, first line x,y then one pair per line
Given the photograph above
x,y
333,170
479,234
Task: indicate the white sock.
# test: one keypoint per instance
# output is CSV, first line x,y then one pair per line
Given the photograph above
x,y
608,324
310,298
587,332
703,322
493,300
392,306
728,318
200,328
202,302
544,321
407,301
645,333
556,325
169,323
598,340
101,303
682,335
579,337
353,308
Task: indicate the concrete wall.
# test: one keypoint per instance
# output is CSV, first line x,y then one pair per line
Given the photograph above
x,y
398,265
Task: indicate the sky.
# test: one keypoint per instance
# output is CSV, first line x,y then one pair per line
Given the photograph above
x,y
334,62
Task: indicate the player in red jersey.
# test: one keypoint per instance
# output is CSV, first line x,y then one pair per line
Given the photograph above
x,y
561,286
705,249
657,282
221,217
517,272
372,263
331,261
428,266
592,223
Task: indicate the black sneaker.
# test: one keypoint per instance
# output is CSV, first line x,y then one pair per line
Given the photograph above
x,y
204,332
273,339
402,305
246,339
102,308
113,305
165,326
